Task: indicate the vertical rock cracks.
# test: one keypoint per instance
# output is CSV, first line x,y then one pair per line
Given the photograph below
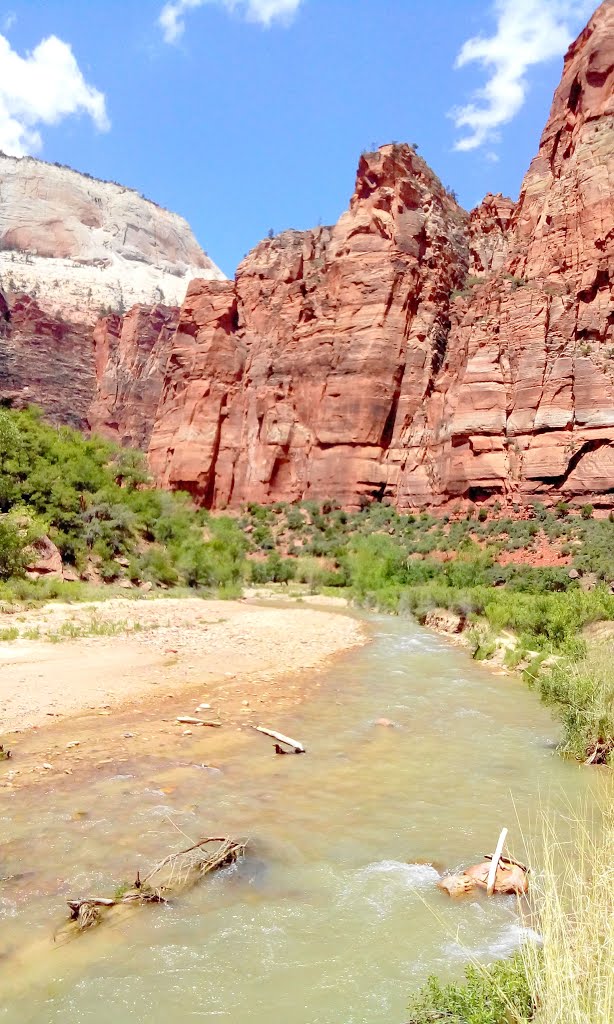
x,y
411,351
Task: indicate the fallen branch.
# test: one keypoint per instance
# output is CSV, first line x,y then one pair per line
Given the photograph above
x,y
174,874
190,720
297,747
494,864
503,861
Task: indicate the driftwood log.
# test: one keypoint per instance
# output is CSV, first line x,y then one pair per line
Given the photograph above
x,y
175,874
295,746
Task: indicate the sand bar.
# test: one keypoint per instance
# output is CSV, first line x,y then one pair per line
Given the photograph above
x,y
169,655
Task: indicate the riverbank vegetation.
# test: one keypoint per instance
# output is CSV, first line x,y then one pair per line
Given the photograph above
x,y
94,502
524,590
535,592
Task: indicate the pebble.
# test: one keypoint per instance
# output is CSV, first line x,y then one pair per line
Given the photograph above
x,y
74,743
47,766
128,735
187,732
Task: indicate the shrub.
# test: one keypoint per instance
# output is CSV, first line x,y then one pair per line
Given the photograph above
x,y
13,544
489,995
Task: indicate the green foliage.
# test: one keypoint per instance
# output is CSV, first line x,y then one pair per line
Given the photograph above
x,y
93,499
498,994
13,543
374,562
582,697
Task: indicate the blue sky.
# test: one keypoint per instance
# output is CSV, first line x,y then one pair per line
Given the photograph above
x,y
242,126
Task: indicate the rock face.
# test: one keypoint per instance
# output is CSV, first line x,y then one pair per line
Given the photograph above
x,y
46,361
524,405
44,559
361,361
131,354
489,234
80,245
412,352
302,377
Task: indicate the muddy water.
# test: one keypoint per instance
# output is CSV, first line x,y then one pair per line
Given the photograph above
x,y
336,916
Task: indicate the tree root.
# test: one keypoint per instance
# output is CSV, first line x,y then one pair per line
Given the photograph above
x,y
174,874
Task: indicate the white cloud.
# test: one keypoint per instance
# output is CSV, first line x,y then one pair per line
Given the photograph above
x,y
42,88
527,32
172,16
9,21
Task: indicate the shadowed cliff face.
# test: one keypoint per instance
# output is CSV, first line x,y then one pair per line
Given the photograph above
x,y
131,354
46,361
412,351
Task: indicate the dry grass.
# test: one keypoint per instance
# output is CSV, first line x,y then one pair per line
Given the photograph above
x,y
572,977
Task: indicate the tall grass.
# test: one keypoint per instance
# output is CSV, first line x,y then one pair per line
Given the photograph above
x,y
571,978
582,697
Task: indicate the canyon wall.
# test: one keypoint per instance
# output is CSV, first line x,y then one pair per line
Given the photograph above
x,y
296,379
524,404
46,361
412,352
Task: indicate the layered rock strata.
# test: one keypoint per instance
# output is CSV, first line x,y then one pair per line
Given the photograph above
x,y
524,404
361,361
412,352
301,377
45,361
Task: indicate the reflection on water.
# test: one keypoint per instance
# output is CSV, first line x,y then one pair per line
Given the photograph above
x,y
335,917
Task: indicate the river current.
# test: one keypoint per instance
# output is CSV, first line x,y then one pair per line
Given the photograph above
x,y
335,916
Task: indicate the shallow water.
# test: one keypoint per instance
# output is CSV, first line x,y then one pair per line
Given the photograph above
x,y
336,916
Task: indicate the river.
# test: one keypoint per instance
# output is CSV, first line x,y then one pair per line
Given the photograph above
x,y
335,917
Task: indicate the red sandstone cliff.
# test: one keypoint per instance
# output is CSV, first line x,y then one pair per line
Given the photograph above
x,y
46,361
412,351
339,364
131,354
301,377
524,405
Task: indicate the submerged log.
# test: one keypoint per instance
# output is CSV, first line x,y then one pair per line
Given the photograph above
x,y
297,747
172,876
509,879
496,874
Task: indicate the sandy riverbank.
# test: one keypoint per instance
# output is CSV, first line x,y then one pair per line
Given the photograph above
x,y
167,657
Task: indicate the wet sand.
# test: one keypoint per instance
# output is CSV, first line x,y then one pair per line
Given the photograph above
x,y
77,702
